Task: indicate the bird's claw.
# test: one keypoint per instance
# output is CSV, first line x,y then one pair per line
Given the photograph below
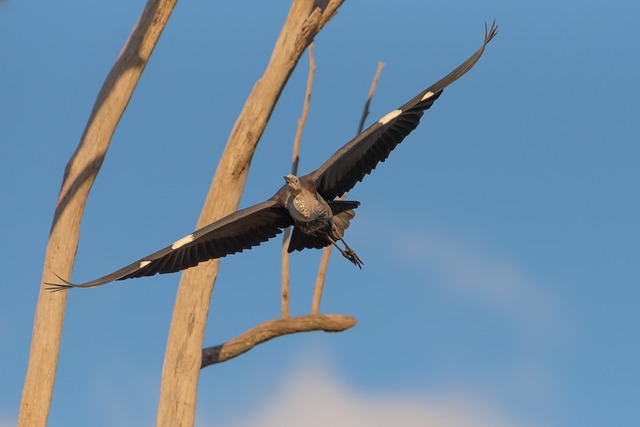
x,y
355,259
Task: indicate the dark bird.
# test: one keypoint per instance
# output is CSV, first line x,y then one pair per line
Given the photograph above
x,y
306,202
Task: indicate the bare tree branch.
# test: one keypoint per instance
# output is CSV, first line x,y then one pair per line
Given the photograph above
x,y
326,254
184,347
305,112
319,285
294,170
272,329
79,176
372,89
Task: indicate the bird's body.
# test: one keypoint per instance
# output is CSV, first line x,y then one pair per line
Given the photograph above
x,y
313,217
309,211
306,202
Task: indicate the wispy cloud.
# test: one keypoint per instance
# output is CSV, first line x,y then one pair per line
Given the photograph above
x,y
494,281
313,395
476,270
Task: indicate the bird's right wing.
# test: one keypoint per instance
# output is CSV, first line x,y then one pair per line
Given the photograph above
x,y
361,155
240,230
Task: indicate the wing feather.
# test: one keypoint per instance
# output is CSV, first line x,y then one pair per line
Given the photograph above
x,y
234,233
351,163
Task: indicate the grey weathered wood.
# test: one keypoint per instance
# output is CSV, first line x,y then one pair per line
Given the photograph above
x,y
273,329
78,179
184,347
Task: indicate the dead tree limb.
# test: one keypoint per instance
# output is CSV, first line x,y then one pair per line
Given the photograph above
x,y
273,329
184,346
326,253
294,170
78,178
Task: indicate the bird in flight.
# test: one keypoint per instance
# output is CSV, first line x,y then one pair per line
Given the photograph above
x,y
306,202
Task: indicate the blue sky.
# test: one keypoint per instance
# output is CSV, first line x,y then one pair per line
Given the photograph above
x,y
501,240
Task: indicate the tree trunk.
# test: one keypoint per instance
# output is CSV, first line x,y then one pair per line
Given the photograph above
x,y
78,179
184,345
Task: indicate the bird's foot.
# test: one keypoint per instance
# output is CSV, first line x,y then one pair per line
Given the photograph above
x,y
348,253
355,259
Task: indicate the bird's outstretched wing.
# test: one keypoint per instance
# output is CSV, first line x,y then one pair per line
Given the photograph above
x,y
360,156
241,230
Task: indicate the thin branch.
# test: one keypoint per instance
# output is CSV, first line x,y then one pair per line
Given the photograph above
x,y
273,329
294,170
372,89
326,254
79,176
319,285
184,345
305,111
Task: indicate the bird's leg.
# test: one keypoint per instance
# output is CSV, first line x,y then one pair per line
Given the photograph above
x,y
348,253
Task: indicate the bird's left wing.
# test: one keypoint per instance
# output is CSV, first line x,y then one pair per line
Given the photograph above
x,y
241,230
360,156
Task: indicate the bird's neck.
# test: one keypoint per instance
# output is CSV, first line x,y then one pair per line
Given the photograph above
x,y
310,186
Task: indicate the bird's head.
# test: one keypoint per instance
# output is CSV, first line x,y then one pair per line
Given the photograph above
x,y
293,183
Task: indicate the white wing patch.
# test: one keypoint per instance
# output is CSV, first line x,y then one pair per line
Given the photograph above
x,y
180,243
144,263
392,115
427,95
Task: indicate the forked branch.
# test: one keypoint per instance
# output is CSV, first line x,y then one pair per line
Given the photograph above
x,y
184,345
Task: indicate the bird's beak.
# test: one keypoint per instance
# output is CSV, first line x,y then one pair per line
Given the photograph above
x,y
288,178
